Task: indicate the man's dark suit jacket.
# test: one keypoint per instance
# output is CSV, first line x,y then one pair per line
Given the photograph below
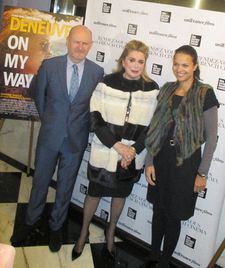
x,y
60,118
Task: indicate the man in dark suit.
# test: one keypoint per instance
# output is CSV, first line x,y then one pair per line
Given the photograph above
x,y
64,130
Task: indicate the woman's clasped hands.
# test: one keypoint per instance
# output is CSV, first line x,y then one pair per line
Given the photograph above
x,y
127,153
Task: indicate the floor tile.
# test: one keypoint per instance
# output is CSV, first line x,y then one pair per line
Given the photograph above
x,y
96,234
20,260
5,167
40,236
9,186
127,256
7,217
15,163
34,252
84,261
25,188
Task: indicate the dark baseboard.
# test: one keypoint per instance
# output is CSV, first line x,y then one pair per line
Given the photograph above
x,y
20,166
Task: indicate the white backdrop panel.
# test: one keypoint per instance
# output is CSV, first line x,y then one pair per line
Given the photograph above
x,y
164,28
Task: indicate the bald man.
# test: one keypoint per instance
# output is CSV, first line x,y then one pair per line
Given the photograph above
x,y
63,135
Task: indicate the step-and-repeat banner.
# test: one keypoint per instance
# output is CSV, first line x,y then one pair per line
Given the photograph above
x,y
27,37
164,28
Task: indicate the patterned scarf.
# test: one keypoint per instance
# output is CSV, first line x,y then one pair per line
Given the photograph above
x,y
187,118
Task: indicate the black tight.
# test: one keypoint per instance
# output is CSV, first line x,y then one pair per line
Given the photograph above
x,y
164,226
117,205
90,206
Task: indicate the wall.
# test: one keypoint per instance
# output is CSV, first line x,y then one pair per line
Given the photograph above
x,y
41,5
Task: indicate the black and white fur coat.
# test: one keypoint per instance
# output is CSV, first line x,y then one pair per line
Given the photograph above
x,y
108,108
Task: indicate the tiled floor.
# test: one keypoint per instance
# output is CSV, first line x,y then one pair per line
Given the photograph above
x,y
14,193
34,253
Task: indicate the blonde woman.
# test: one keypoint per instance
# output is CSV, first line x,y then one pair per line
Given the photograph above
x,y
121,108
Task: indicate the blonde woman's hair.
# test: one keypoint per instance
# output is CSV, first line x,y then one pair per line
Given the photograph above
x,y
134,45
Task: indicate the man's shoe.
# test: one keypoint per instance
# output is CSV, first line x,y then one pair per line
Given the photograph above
x,y
55,241
22,234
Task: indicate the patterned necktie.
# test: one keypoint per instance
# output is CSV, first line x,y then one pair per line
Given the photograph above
x,y
74,83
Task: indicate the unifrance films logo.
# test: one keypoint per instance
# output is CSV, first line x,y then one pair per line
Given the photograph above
x,y
88,149
83,189
222,45
100,56
200,22
132,29
187,259
165,16
203,193
157,69
104,214
221,84
106,7
218,160
131,213
204,211
195,40
163,34
189,241
135,12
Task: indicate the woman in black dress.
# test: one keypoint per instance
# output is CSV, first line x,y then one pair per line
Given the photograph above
x,y
185,118
121,109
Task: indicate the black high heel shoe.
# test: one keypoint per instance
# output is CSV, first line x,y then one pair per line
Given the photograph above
x,y
108,255
76,254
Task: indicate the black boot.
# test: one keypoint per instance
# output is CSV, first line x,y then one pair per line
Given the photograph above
x,y
55,241
21,234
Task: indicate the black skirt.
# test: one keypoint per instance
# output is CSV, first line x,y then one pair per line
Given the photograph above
x,y
104,183
174,190
98,190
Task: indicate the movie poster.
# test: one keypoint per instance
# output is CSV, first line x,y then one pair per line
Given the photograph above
x,y
28,36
